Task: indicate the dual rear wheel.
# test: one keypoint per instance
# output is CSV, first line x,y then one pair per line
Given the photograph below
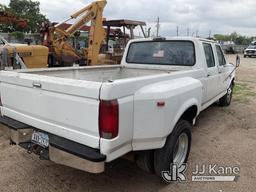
x,y
175,151
177,146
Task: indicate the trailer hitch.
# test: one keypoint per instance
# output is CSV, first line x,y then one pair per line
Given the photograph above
x,y
38,150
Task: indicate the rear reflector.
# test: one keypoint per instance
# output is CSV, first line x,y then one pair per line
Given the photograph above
x,y
108,119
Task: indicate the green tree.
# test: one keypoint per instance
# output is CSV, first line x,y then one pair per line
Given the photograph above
x,y
4,27
235,37
221,37
26,9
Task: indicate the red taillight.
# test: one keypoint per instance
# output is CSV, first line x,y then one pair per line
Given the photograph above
x,y
108,119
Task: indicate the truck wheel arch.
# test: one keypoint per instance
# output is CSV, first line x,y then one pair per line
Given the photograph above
x,y
188,112
233,82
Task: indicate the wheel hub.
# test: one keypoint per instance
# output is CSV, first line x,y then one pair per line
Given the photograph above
x,y
180,149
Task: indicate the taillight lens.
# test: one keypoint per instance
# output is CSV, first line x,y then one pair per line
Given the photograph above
x,y
108,119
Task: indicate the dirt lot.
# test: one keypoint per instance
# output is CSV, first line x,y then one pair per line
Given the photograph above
x,y
224,136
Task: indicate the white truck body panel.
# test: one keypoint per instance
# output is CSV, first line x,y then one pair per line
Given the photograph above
x,y
156,125
65,101
71,116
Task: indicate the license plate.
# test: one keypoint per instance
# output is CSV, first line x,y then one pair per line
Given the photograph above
x,y
41,139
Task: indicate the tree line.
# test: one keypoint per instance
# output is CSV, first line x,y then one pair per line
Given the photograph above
x,y
235,37
30,10
25,9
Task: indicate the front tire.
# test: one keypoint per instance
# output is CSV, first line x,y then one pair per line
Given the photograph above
x,y
176,149
226,99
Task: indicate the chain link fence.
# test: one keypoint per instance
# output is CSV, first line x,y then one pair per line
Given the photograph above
x,y
18,37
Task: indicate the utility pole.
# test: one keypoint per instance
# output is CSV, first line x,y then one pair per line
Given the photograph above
x,y
149,31
210,34
177,31
197,33
188,31
157,27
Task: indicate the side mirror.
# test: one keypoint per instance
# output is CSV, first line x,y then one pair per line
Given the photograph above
x,y
237,61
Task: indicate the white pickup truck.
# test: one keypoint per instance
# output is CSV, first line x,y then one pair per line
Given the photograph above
x,y
84,117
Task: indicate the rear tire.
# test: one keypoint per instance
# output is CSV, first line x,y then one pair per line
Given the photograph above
x,y
176,149
226,99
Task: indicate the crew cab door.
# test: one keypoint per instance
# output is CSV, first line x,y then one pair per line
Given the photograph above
x,y
222,70
212,78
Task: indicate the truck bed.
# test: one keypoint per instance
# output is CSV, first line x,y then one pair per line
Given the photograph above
x,y
97,74
65,101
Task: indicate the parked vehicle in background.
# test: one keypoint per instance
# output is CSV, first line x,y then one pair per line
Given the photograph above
x,y
31,56
253,43
250,51
84,117
228,47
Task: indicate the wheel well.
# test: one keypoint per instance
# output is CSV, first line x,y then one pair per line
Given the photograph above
x,y
233,82
190,114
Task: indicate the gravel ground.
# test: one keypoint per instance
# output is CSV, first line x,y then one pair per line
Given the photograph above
x,y
223,136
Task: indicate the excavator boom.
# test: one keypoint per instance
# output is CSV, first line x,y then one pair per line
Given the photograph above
x,y
91,13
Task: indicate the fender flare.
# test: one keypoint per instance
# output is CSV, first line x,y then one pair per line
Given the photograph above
x,y
189,103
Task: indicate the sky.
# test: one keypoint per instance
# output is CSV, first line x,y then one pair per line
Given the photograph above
x,y
202,17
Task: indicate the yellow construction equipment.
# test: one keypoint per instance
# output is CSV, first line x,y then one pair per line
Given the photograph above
x,y
56,38
62,53
22,55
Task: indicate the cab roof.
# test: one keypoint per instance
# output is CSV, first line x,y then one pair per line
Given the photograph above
x,y
185,38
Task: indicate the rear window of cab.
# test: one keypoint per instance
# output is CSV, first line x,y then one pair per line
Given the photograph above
x,y
162,53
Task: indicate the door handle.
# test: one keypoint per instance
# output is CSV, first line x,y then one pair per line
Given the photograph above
x,y
220,70
37,85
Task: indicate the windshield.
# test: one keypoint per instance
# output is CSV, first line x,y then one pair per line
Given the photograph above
x,y
162,53
251,47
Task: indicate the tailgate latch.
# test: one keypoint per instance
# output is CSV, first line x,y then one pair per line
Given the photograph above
x,y
37,85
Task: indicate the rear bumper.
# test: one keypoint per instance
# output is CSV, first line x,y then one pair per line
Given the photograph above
x,y
60,150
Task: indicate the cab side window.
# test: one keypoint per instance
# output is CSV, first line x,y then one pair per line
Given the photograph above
x,y
221,58
209,55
